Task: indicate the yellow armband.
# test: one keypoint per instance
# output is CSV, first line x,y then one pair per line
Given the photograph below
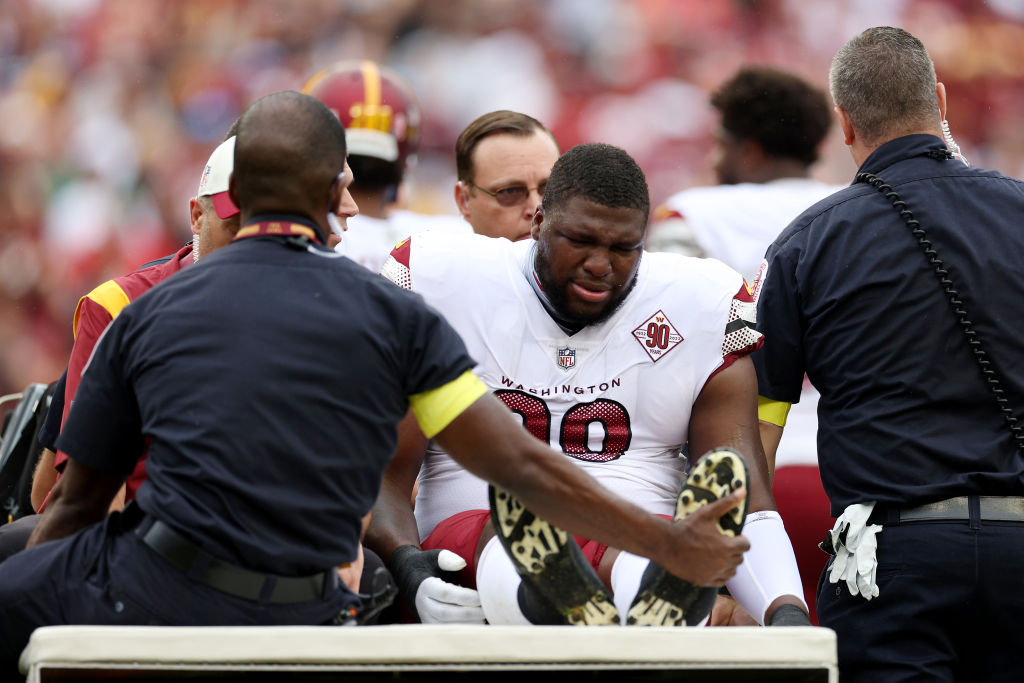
x,y
772,412
435,409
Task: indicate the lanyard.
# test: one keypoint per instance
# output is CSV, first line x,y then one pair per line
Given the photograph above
x,y
279,228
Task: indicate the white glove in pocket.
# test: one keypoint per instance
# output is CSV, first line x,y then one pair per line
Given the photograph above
x,y
854,542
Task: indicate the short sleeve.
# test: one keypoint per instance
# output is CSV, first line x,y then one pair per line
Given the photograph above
x,y
741,337
103,429
435,409
435,353
779,363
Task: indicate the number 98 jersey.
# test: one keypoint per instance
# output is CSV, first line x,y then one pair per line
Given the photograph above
x,y
616,396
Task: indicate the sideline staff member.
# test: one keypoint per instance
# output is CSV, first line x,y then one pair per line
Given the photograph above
x,y
265,383
913,446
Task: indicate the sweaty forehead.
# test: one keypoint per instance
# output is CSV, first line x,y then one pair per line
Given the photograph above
x,y
582,218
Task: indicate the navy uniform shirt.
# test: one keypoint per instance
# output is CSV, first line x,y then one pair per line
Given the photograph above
x,y
266,382
848,296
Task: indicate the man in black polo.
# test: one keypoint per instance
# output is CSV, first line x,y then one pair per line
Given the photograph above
x,y
265,384
901,298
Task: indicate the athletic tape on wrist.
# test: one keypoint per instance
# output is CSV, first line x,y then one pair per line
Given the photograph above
x,y
411,566
769,568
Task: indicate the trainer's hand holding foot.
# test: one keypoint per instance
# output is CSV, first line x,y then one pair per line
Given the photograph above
x,y
706,556
421,584
710,510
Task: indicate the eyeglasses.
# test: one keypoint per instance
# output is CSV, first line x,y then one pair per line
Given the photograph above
x,y
513,195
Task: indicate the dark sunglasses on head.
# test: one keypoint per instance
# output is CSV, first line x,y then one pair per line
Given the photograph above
x,y
513,195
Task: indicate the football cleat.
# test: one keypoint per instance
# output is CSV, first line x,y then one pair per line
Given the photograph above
x,y
559,585
664,599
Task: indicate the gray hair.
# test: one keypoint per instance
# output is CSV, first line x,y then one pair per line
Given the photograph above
x,y
885,81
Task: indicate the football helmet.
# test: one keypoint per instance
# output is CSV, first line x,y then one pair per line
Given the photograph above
x,y
379,110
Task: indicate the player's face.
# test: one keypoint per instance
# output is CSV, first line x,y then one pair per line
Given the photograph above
x,y
727,158
502,163
587,257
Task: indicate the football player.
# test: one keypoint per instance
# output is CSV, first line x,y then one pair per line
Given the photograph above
x,y
618,358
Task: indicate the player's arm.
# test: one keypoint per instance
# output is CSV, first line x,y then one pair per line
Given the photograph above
x,y
771,417
43,478
394,536
81,497
725,414
420,574
489,441
393,522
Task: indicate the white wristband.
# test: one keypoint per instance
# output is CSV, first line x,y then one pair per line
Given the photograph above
x,y
769,568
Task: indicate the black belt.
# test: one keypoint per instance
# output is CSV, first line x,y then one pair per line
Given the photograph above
x,y
983,508
200,566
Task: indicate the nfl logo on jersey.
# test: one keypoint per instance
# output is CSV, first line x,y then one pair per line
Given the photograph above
x,y
566,357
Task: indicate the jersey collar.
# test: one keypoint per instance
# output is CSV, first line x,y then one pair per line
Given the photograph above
x,y
280,225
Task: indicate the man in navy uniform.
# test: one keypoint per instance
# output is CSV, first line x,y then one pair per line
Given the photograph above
x,y
900,296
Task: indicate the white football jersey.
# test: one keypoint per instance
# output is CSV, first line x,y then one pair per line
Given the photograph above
x,y
369,240
616,397
733,223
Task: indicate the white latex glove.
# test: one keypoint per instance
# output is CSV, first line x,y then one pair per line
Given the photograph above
x,y
436,601
854,543
440,602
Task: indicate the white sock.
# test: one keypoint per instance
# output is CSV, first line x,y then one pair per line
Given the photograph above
x,y
626,573
498,585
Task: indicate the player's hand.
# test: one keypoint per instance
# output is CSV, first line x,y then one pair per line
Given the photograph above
x,y
420,578
703,555
727,612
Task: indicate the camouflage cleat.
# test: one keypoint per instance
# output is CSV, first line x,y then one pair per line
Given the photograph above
x,y
665,599
561,584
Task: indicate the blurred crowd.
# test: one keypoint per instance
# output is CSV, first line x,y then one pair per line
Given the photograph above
x,y
110,108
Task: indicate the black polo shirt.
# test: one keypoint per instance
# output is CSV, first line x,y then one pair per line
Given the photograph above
x,y
849,297
265,383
